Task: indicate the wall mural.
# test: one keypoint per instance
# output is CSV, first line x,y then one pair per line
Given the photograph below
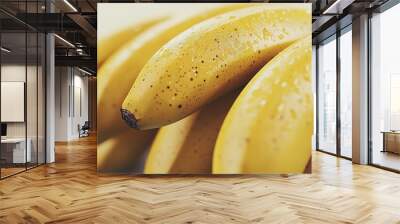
x,y
190,88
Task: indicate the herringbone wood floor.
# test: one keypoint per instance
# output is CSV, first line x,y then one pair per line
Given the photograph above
x,y
70,191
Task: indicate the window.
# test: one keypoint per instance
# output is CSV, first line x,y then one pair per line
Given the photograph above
x,y
327,96
385,89
394,102
346,93
314,88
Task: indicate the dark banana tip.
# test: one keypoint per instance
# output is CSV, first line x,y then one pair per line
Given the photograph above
x,y
129,118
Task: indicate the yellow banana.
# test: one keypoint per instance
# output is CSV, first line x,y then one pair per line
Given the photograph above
x,y
119,147
187,146
123,152
269,127
118,144
112,42
211,59
117,74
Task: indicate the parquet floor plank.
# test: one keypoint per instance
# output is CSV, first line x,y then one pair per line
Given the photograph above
x,y
71,191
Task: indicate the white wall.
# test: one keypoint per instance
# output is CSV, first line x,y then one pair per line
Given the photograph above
x,y
10,73
71,93
80,100
16,72
61,103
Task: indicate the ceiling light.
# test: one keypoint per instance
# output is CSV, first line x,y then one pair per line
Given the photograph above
x,y
65,41
337,7
5,50
79,51
333,6
84,71
70,5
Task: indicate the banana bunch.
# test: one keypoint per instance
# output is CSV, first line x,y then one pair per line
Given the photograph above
x,y
229,91
119,66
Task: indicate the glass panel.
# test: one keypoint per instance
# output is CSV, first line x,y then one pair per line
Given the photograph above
x,y
385,83
346,94
31,100
13,90
41,98
32,89
327,96
23,90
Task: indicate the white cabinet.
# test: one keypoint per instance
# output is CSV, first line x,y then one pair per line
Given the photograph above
x,y
16,149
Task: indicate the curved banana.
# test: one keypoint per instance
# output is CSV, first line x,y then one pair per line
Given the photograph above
x,y
187,146
124,152
112,42
270,125
211,59
118,148
117,74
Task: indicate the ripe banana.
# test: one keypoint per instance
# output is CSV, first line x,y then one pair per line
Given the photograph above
x,y
209,60
119,146
269,127
123,153
117,74
187,146
112,42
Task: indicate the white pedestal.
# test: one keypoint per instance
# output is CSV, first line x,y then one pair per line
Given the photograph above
x,y
18,146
